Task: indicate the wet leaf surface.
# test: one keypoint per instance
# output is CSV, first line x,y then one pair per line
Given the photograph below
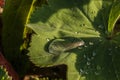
x,y
66,20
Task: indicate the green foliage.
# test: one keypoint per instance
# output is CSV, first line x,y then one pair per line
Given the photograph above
x,y
113,17
70,20
4,74
13,26
78,31
15,16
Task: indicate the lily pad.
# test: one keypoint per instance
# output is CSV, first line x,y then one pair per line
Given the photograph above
x,y
68,20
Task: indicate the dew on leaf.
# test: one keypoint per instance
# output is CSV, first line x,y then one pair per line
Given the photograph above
x,y
54,73
88,59
116,47
106,32
86,72
109,49
88,63
76,32
100,26
81,70
48,39
100,40
84,56
92,58
93,54
91,43
98,67
85,46
97,73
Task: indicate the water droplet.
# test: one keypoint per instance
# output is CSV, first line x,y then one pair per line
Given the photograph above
x,y
86,72
84,56
92,58
100,26
97,73
54,73
100,40
91,43
48,39
88,59
85,46
81,70
88,63
76,32
98,67
94,54
116,47
109,49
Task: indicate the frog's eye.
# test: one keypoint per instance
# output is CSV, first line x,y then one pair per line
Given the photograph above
x,y
56,46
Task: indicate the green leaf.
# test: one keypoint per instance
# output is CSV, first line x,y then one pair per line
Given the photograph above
x,y
13,25
71,21
15,16
4,74
113,17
